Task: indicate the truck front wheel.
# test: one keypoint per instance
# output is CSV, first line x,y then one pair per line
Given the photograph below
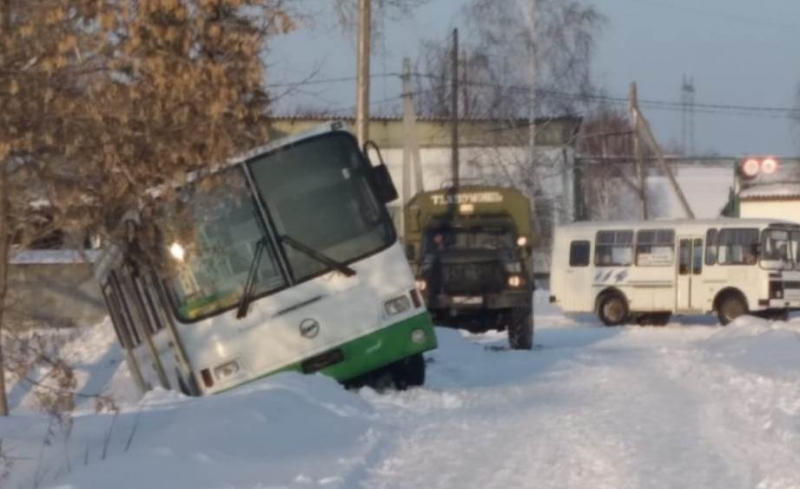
x,y
520,329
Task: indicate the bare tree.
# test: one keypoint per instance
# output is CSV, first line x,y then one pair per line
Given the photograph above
x,y
502,45
104,100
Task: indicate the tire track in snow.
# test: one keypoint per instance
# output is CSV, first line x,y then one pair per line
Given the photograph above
x,y
612,415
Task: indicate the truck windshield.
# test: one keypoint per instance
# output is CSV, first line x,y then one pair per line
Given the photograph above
x,y
779,249
488,238
318,193
216,231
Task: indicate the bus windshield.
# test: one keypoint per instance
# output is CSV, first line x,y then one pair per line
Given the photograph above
x,y
217,247
319,197
779,249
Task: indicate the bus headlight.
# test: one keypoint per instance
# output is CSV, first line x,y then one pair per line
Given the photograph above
x,y
177,251
226,369
418,336
421,285
515,281
397,305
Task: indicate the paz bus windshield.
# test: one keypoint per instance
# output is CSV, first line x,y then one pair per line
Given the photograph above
x,y
320,211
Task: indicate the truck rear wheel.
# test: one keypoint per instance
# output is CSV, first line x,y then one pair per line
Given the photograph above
x,y
520,329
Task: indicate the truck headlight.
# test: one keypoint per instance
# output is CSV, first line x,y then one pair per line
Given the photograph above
x,y
515,281
397,305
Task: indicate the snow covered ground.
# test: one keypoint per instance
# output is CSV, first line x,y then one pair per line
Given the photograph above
x,y
686,406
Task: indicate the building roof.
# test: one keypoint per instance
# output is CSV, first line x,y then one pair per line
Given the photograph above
x,y
389,132
772,191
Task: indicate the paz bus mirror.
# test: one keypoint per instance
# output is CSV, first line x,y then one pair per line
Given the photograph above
x,y
381,179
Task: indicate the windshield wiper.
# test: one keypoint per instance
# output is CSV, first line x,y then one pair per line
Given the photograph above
x,y
249,286
320,257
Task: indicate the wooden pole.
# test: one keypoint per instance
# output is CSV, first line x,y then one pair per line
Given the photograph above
x,y
362,94
637,150
454,112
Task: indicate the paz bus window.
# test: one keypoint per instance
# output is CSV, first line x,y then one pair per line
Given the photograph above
x,y
613,248
711,247
579,253
738,246
655,247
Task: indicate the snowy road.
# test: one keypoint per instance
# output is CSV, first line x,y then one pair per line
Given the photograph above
x,y
594,408
685,406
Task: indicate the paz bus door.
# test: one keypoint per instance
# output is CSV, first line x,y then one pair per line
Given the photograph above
x,y
689,274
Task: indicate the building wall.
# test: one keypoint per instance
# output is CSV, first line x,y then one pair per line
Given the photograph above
x,y
771,209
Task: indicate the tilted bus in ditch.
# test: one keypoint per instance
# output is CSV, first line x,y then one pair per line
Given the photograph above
x,y
645,271
288,261
470,249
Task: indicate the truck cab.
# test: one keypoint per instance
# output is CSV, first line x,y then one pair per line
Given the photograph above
x,y
470,249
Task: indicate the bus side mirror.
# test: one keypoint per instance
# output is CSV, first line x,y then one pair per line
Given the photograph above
x,y
384,186
381,178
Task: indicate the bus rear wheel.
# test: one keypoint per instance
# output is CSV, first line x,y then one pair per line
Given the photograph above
x,y
520,329
409,372
730,307
613,309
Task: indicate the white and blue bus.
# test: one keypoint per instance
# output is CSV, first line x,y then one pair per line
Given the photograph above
x,y
287,260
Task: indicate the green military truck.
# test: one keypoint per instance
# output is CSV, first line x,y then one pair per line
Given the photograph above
x,y
470,250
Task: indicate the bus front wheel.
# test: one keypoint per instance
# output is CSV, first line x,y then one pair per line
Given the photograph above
x,y
613,309
730,307
409,372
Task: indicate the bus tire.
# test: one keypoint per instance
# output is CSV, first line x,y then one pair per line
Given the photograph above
x,y
730,306
520,329
409,372
612,309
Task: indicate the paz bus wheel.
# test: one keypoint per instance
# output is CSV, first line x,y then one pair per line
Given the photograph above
x,y
520,330
613,309
730,307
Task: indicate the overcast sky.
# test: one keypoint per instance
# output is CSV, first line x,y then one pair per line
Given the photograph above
x,y
739,52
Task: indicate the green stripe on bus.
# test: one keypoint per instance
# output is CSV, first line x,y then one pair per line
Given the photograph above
x,y
375,350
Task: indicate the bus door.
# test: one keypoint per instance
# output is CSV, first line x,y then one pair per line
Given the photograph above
x,y
688,283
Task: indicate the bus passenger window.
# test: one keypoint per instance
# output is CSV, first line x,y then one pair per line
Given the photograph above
x,y
613,248
655,248
738,246
697,257
711,247
579,253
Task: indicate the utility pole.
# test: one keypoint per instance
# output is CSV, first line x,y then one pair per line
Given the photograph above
x,y
637,150
411,159
687,115
362,94
454,111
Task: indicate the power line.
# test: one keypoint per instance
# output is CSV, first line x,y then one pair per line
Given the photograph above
x,y
663,105
744,110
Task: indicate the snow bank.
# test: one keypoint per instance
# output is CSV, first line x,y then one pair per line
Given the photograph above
x,y
758,346
289,430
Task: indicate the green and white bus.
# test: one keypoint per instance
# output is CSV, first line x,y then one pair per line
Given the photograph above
x,y
290,262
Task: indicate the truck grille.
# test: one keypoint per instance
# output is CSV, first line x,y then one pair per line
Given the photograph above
x,y
472,278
